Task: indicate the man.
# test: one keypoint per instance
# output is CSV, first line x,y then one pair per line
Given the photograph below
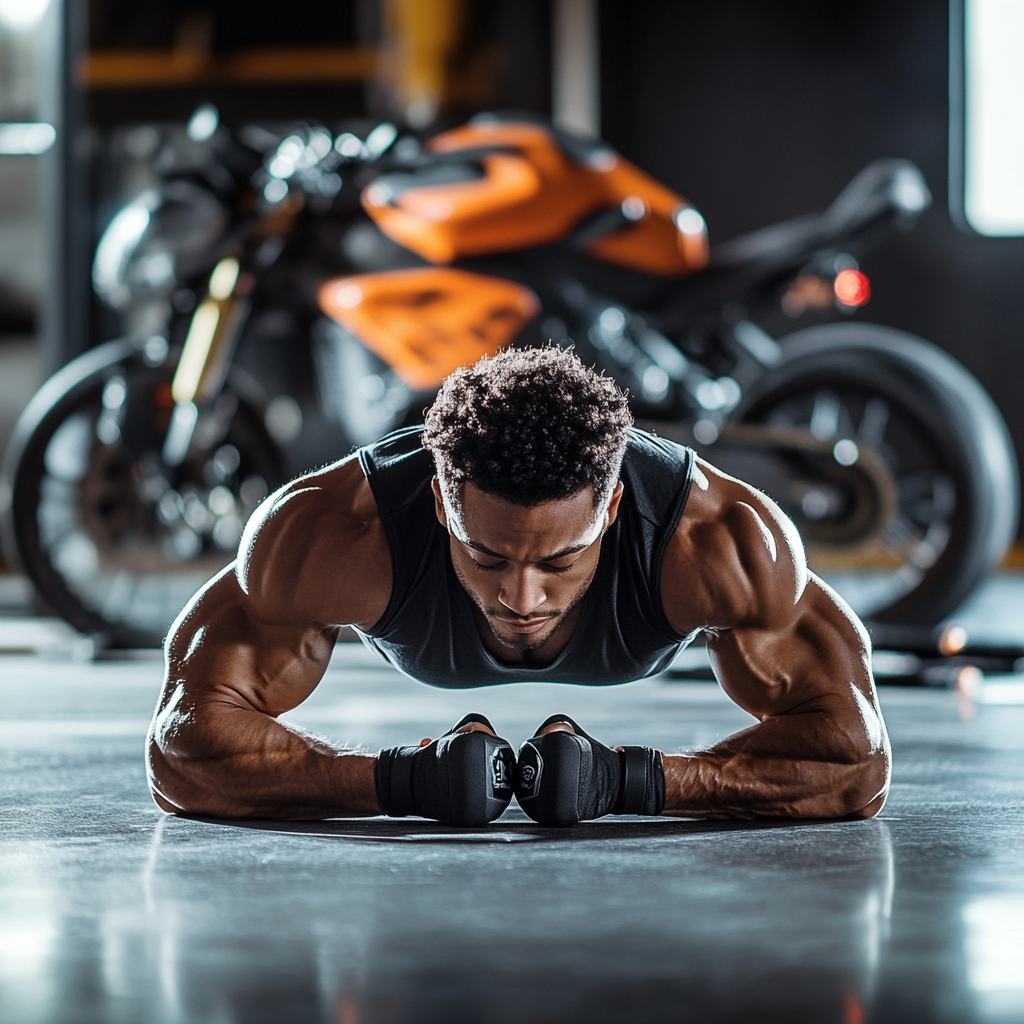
x,y
527,533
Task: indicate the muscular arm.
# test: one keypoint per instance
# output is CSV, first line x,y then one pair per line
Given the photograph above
x,y
254,643
785,648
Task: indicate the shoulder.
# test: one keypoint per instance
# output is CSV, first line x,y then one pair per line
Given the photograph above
x,y
735,559
316,550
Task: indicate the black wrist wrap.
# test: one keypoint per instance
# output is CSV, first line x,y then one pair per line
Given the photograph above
x,y
459,779
392,778
563,778
643,781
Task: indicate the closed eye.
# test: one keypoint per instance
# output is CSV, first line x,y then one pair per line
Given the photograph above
x,y
501,565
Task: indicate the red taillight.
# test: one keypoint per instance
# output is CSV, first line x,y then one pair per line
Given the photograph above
x,y
852,288
162,397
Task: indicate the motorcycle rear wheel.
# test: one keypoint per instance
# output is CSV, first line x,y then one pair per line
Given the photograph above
x,y
113,541
937,432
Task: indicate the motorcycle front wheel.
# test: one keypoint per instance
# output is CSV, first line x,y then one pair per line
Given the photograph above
x,y
114,541
931,431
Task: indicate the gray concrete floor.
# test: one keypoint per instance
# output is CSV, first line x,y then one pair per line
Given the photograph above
x,y
113,912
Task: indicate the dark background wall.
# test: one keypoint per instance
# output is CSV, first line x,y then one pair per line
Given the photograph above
x,y
758,110
504,45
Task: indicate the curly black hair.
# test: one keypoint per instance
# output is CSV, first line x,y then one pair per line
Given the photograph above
x,y
529,426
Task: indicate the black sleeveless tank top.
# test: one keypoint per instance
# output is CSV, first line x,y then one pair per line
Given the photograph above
x,y
428,630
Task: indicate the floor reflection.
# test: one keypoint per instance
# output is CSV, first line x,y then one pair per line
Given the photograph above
x,y
658,921
994,947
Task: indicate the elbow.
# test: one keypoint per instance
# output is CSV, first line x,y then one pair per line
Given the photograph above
x,y
178,758
870,810
170,786
862,748
868,789
177,782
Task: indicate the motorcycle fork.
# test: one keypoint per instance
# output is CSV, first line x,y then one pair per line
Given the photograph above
x,y
206,356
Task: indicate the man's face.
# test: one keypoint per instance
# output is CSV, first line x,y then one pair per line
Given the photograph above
x,y
525,568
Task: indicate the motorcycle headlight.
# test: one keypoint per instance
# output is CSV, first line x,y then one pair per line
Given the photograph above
x,y
160,237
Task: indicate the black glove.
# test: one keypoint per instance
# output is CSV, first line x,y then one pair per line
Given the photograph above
x,y
562,779
462,778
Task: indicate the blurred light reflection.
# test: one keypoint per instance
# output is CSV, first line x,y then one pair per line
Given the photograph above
x,y
994,947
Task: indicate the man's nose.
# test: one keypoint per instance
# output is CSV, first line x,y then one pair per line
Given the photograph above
x,y
522,592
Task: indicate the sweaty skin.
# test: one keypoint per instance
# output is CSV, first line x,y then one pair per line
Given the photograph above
x,y
254,643
788,650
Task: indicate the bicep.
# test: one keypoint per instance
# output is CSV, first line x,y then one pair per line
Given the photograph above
x,y
778,636
259,635
219,653
818,662
215,743
797,651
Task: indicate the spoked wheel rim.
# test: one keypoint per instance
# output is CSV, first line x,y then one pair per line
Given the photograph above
x,y
921,418
115,541
877,558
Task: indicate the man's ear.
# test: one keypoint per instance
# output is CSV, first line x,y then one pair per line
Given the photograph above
x,y
613,506
442,517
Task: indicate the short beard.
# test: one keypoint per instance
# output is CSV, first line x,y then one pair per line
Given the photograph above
x,y
532,645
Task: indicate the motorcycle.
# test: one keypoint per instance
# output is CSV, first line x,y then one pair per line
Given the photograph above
x,y
391,262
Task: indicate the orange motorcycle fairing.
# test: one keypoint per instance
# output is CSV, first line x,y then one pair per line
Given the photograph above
x,y
530,193
427,322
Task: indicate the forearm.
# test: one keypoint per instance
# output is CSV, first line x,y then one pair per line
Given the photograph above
x,y
240,763
800,766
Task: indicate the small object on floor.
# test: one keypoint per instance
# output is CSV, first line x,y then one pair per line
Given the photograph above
x,y
952,640
462,778
51,639
963,672
563,778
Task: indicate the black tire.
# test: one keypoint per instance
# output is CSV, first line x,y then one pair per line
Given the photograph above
x,y
948,427
116,504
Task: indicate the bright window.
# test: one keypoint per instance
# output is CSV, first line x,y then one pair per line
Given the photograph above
x,y
994,116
